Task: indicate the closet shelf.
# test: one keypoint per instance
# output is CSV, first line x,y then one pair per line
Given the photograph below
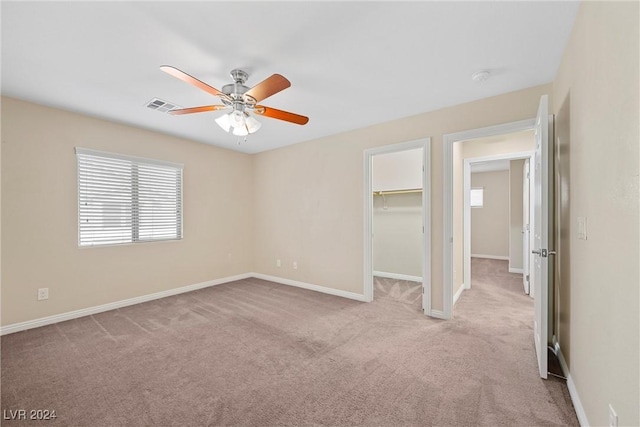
x,y
386,192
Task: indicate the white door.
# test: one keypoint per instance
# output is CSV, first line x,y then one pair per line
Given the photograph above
x,y
526,254
540,243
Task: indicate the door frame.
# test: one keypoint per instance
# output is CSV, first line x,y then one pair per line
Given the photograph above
x,y
425,144
521,155
447,241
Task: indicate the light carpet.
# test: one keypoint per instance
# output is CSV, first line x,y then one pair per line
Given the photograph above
x,y
257,353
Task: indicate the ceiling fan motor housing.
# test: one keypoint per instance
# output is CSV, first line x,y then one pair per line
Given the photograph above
x,y
236,92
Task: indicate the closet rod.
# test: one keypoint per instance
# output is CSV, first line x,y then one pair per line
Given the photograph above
x,y
384,193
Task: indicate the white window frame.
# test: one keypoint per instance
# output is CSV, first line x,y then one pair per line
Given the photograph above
x,y
150,181
471,199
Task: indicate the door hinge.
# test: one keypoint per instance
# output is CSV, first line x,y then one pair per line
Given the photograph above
x,y
527,278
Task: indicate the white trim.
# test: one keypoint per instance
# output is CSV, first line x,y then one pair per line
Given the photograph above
x,y
577,404
438,314
397,276
56,318
457,294
425,144
447,152
498,257
310,286
573,392
516,270
90,152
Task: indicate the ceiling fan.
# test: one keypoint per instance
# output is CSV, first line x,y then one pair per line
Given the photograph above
x,y
240,101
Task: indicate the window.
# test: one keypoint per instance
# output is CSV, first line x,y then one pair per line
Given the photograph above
x,y
476,197
124,199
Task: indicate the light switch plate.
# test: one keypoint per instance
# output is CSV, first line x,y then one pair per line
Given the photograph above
x,y
582,228
613,417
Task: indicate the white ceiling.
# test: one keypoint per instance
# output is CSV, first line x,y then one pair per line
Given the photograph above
x,y
351,64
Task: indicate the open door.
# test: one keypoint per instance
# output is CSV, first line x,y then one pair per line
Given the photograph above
x,y
541,229
526,251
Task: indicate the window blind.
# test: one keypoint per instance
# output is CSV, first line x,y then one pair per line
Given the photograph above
x,y
125,199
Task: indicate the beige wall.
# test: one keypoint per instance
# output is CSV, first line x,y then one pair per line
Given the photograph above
x,y
516,168
309,197
39,215
397,234
490,223
599,71
1,282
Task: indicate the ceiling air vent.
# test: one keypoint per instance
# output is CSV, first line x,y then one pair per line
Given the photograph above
x,y
162,106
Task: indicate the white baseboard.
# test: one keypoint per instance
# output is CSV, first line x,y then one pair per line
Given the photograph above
x,y
397,276
49,320
516,270
312,287
575,399
500,257
458,293
582,415
438,314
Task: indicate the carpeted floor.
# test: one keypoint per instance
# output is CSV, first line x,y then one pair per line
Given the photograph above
x,y
257,353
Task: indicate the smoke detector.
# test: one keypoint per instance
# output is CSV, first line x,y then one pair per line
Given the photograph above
x,y
480,76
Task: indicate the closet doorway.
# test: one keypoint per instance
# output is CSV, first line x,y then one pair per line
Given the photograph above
x,y
397,224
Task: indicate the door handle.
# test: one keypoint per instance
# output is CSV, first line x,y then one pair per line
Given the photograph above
x,y
543,252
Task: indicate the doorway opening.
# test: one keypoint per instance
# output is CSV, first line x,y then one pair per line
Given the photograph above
x,y
540,264
498,229
491,143
397,223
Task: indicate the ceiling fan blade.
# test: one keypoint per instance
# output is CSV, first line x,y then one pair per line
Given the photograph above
x,y
281,115
268,87
191,80
197,109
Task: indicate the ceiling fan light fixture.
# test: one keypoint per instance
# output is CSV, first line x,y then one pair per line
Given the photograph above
x,y
252,124
237,119
240,131
224,122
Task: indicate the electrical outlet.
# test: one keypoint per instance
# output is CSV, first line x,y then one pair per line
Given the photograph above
x,y
278,263
613,417
295,265
43,293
